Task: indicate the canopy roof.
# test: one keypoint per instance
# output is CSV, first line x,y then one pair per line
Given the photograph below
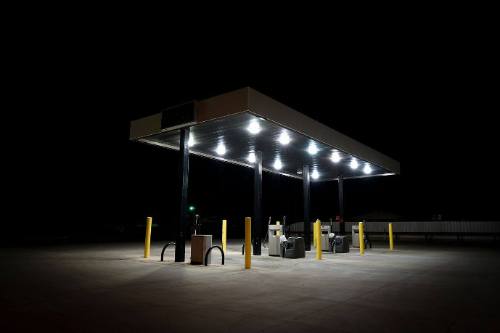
x,y
233,126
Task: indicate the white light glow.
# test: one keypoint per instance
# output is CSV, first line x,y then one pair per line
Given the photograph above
x,y
221,149
312,149
284,138
335,157
254,127
315,174
354,164
191,141
251,157
367,169
277,164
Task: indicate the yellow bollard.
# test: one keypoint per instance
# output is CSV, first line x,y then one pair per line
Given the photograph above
x,y
391,239
319,252
224,235
248,242
361,239
318,232
278,233
147,242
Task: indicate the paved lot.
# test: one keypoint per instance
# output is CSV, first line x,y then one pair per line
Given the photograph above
x,y
110,287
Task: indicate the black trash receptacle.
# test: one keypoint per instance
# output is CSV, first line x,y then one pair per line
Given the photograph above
x,y
295,248
341,244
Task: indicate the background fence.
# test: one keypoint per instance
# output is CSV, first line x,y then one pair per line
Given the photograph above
x,y
426,227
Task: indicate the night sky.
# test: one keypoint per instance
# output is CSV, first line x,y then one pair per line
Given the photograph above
x,y
76,171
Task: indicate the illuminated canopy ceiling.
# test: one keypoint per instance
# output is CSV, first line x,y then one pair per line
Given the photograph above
x,y
233,126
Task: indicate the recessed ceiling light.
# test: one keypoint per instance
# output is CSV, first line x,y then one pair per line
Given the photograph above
x,y
367,169
335,156
251,157
354,164
315,174
254,126
191,141
277,164
312,149
284,138
221,149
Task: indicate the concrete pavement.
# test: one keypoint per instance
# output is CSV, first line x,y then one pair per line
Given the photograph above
x,y
110,287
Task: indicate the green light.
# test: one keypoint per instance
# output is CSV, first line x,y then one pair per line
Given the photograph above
x,y
191,208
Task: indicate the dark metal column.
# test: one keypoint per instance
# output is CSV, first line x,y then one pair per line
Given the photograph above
x,y
341,205
180,242
257,205
306,181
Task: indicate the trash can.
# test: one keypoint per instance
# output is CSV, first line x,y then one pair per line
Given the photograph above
x,y
294,248
199,246
341,244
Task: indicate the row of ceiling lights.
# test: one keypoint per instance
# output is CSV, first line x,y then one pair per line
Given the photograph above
x,y
254,128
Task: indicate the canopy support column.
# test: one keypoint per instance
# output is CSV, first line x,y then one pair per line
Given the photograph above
x,y
257,204
306,181
180,243
341,205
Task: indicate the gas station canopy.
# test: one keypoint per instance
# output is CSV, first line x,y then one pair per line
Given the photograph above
x,y
233,127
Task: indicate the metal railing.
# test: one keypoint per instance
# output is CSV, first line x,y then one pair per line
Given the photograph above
x,y
165,247
210,250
